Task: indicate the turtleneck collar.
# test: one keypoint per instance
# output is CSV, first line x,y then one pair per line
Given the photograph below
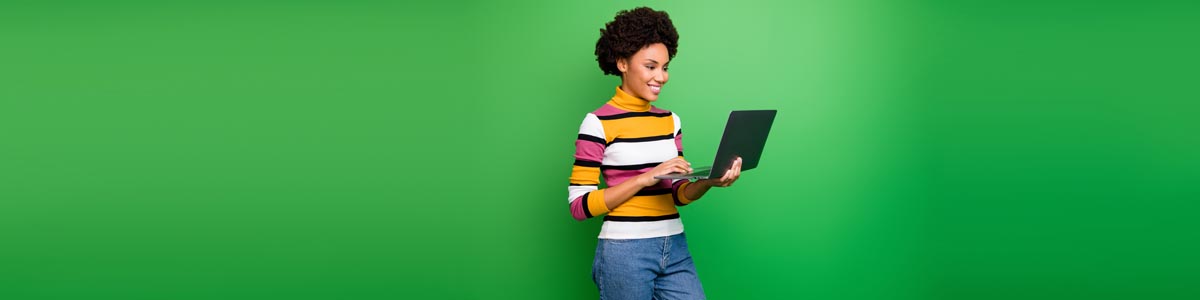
x,y
628,102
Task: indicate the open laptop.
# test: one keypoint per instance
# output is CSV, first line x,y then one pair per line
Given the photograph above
x,y
745,135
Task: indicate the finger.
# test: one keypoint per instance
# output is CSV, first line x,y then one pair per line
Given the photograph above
x,y
681,160
685,165
678,169
671,166
733,175
673,162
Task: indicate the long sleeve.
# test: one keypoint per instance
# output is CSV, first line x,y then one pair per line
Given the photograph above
x,y
678,185
583,193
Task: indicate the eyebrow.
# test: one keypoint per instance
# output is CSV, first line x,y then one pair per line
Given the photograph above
x,y
652,60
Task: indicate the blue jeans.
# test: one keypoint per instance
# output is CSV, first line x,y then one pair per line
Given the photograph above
x,y
652,268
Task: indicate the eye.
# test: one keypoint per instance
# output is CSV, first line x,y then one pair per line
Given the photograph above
x,y
649,67
666,69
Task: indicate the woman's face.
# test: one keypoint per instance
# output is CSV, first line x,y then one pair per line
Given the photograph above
x,y
644,74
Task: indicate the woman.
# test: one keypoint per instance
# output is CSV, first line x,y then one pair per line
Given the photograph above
x,y
642,252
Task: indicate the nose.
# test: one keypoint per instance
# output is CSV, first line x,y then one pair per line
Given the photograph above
x,y
661,76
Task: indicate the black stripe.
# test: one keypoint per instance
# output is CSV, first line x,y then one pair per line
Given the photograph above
x,y
591,138
642,139
634,114
587,212
680,132
652,192
640,219
587,163
580,184
627,167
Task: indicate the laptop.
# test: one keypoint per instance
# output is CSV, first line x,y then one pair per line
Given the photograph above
x,y
745,135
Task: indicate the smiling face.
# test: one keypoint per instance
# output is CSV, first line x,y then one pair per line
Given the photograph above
x,y
644,74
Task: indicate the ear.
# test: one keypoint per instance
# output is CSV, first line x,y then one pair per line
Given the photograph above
x,y
623,65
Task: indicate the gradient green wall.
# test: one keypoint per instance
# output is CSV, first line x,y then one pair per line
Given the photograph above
x,y
376,150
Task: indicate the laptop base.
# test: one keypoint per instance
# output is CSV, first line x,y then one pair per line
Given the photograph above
x,y
700,173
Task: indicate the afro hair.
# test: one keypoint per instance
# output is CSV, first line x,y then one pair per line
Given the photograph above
x,y
629,32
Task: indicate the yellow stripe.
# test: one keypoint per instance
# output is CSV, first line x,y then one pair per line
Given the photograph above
x,y
585,175
683,199
644,206
596,204
638,127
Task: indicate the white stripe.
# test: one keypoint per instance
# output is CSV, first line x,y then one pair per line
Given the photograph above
x,y
591,126
640,230
636,153
575,191
678,124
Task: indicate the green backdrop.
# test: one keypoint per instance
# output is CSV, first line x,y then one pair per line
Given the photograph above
x,y
380,150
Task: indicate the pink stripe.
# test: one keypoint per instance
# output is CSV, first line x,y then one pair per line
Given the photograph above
x,y
589,150
608,110
577,209
615,177
679,142
664,184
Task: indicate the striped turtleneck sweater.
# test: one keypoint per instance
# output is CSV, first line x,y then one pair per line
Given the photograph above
x,y
622,139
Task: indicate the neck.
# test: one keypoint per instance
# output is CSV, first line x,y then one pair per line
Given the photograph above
x,y
629,102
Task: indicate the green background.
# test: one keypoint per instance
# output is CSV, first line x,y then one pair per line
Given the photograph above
x,y
372,150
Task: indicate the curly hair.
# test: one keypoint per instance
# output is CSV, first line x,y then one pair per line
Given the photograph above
x,y
629,32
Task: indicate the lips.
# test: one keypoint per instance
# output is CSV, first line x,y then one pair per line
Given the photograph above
x,y
655,89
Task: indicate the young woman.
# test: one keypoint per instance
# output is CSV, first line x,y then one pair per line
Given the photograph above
x,y
642,252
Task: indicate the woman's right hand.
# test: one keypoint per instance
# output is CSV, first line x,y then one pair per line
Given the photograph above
x,y
674,165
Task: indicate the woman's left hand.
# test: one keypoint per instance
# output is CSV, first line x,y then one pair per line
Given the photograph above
x,y
730,176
